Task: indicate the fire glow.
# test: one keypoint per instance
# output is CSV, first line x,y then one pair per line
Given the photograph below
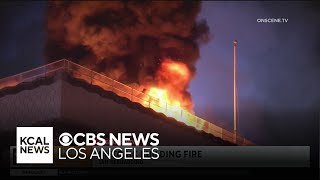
x,y
168,97
173,77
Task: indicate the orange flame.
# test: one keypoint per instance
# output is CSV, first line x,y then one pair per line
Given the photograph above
x,y
173,77
168,96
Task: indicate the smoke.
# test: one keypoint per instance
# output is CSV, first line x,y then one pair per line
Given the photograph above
x,y
126,40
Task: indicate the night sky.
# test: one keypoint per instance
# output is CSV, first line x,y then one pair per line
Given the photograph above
x,y
278,64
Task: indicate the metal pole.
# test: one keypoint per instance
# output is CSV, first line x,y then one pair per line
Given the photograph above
x,y
235,43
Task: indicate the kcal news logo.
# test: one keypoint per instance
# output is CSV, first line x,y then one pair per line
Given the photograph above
x,y
34,145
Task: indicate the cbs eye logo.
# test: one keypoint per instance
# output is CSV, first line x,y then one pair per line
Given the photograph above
x,y
65,139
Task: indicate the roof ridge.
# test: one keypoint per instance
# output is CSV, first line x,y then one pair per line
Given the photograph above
x,y
91,77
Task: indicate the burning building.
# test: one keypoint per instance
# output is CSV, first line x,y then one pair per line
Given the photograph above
x,y
64,92
128,70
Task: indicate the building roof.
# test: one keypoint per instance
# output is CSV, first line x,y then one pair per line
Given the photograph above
x,y
51,75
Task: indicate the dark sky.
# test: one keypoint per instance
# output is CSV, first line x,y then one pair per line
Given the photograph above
x,y
22,36
278,64
278,69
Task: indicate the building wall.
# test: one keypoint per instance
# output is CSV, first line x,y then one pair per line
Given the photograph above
x,y
30,106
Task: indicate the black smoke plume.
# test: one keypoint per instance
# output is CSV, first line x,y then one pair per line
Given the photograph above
x,y
126,40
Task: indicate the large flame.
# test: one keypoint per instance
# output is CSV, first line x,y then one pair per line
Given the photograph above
x,y
173,77
168,95
161,96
